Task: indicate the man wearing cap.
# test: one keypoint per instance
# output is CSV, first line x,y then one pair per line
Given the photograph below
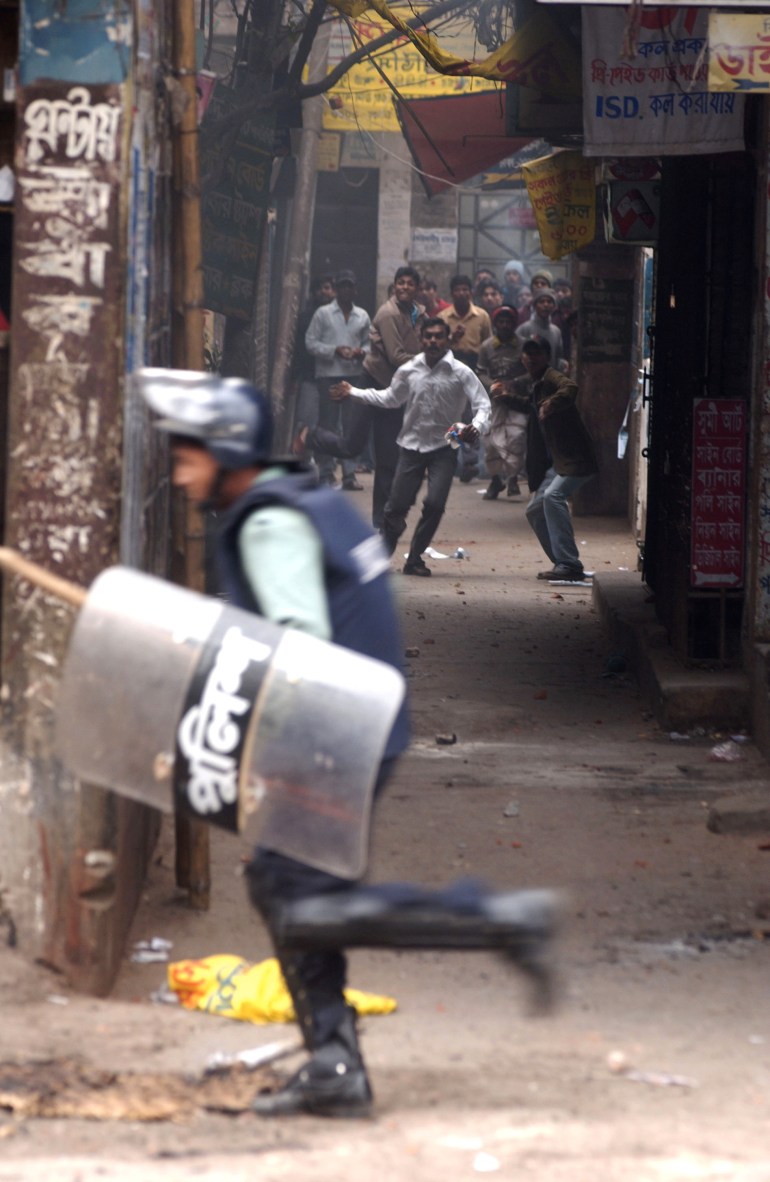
x,y
514,279
540,327
541,279
338,338
505,446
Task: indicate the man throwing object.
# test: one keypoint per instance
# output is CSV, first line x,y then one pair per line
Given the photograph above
x,y
434,389
560,459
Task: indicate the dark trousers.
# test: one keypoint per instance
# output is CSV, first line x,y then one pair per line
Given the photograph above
x,y
358,420
413,466
315,980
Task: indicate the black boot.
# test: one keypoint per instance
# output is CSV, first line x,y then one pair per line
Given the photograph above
x,y
333,1082
496,486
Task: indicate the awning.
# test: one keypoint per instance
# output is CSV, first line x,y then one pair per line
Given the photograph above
x,y
455,137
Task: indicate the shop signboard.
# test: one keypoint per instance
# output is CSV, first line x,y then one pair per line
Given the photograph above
x,y
434,244
718,526
632,212
739,52
606,314
236,191
562,191
650,97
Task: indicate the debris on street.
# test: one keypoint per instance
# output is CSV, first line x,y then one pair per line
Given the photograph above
x,y
73,1089
728,752
230,987
154,951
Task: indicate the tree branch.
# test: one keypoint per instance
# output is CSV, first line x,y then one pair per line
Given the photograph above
x,y
358,55
294,90
312,24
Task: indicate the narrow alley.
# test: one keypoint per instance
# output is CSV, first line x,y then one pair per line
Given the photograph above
x,y
655,1065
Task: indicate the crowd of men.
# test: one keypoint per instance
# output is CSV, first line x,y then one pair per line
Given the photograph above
x,y
430,389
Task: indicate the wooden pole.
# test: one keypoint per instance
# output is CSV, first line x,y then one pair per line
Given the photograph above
x,y
300,232
192,837
13,562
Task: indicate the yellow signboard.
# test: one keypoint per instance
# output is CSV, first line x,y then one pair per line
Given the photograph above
x,y
739,52
536,56
563,195
362,100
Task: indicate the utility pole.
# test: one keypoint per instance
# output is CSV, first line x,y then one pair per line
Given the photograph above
x,y
192,837
300,233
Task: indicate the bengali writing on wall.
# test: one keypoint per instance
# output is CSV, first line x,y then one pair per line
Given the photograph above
x,y
68,310
719,492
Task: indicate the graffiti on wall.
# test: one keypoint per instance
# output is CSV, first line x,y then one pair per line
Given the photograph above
x,y
68,310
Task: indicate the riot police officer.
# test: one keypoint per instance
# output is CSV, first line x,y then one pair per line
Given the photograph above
x,y
299,555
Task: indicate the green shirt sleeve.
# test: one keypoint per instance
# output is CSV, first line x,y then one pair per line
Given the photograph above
x,y
282,559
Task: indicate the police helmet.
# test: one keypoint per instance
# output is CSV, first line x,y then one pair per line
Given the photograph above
x,y
230,417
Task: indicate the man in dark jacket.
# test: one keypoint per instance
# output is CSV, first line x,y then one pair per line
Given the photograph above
x,y
560,459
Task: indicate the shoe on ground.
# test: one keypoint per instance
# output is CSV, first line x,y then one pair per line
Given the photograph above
x,y
513,489
418,567
466,477
332,1083
496,486
299,447
568,574
350,484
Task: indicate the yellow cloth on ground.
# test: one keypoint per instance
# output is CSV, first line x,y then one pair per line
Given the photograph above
x,y
233,988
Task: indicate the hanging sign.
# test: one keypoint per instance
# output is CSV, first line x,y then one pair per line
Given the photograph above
x,y
739,53
537,54
362,101
234,197
655,101
632,212
563,195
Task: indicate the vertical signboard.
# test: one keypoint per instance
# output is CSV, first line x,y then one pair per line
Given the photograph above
x,y
718,523
562,191
763,445
236,164
606,312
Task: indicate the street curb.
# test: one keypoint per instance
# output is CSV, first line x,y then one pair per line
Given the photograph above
x,y
679,696
745,814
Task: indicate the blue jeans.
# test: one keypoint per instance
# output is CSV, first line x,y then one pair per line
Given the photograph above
x,y
549,516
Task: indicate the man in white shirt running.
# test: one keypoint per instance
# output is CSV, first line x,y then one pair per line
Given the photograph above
x,y
434,389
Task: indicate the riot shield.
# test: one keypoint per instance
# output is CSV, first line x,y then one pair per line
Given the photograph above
x,y
168,694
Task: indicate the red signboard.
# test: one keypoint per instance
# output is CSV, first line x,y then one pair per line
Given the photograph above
x,y
718,492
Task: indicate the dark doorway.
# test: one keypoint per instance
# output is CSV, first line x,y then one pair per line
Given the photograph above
x,y
701,351
345,228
